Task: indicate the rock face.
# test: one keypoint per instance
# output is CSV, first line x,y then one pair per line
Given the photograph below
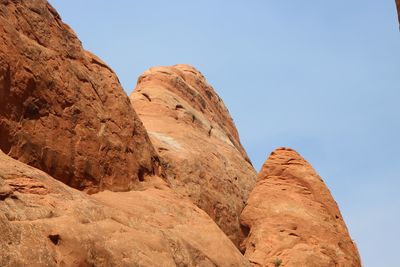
x,y
46,223
64,113
291,216
197,142
62,109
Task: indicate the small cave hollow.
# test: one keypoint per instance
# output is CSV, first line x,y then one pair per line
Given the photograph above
x,y
142,172
55,239
179,106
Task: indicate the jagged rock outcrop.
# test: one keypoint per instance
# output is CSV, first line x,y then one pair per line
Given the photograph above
x,y
43,222
62,109
197,142
291,216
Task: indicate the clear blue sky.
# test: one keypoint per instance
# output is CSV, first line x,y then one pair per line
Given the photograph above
x,y
322,77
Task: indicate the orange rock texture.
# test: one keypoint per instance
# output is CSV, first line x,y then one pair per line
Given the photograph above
x,y
191,195
62,109
43,222
291,216
197,142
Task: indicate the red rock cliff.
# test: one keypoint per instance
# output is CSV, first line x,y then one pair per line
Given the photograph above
x,y
197,141
291,216
62,109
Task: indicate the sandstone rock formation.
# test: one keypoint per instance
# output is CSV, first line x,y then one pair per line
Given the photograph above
x,y
46,223
291,216
64,113
197,142
62,109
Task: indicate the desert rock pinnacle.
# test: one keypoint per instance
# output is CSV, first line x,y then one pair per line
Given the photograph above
x,y
197,141
290,216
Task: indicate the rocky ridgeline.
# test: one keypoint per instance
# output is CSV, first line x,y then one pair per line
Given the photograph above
x,y
83,182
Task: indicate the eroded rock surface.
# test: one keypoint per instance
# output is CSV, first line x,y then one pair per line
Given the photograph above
x,y
197,142
62,109
291,216
43,222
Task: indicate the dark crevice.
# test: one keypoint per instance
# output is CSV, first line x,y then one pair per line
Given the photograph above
x,y
179,106
141,173
5,143
31,110
4,195
55,239
147,96
245,231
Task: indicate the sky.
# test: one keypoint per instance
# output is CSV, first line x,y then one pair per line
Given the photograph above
x,y
321,77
